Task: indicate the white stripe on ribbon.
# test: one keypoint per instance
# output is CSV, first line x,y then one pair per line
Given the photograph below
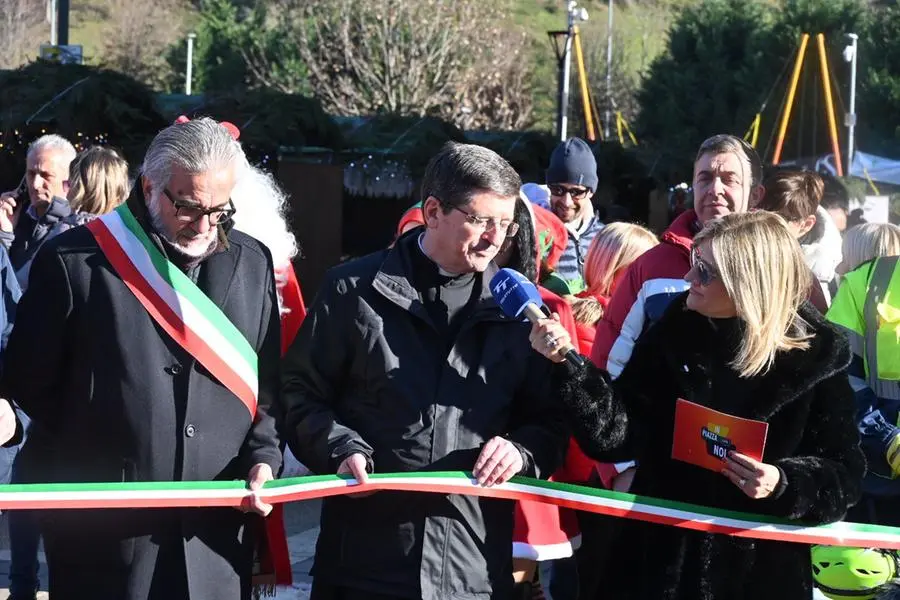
x,y
193,318
181,494
799,532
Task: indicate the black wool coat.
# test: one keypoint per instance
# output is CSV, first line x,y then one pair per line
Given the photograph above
x,y
113,398
806,400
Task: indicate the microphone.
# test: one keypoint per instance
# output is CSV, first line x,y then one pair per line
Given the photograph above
x,y
517,295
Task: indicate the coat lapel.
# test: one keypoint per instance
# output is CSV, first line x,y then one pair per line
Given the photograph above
x,y
217,274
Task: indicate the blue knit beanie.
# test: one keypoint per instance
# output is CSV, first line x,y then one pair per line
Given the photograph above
x,y
573,162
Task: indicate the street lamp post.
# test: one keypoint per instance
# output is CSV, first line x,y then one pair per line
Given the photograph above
x,y
850,56
609,52
573,14
189,69
51,18
62,22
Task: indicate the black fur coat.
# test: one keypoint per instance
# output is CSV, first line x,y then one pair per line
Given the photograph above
x,y
806,400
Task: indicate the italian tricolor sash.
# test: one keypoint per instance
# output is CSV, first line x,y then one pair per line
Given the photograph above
x,y
178,305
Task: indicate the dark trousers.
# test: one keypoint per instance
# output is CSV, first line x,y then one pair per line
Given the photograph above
x,y
559,578
597,571
24,535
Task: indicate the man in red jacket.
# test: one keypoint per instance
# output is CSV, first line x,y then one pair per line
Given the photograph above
x,y
727,176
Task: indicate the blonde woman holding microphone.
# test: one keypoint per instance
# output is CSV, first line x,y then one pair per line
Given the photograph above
x,y
742,341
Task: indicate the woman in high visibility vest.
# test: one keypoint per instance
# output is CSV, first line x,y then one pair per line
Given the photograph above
x,y
867,309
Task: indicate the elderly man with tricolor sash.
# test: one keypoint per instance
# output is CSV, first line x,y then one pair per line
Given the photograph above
x,y
147,349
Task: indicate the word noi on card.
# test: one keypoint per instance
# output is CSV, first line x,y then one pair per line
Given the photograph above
x,y
704,436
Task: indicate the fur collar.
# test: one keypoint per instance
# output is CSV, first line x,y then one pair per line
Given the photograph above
x,y
690,337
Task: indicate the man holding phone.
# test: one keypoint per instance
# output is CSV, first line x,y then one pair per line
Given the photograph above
x,y
28,213
26,217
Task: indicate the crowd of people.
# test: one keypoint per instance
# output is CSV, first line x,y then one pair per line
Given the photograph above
x,y
154,330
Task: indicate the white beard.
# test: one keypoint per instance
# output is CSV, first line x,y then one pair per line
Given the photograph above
x,y
196,248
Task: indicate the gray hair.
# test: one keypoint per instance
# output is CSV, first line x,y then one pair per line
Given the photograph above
x,y
729,144
868,241
460,170
195,146
53,142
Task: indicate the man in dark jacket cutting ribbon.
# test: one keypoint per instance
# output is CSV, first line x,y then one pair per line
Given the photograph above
x,y
406,363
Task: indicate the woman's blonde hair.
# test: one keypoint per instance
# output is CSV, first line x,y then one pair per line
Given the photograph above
x,y
612,250
98,181
587,310
869,240
763,270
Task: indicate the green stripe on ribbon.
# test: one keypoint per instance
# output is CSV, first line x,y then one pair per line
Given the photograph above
x,y
187,288
836,532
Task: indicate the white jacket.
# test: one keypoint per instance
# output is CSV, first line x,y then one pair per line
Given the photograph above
x,y
824,255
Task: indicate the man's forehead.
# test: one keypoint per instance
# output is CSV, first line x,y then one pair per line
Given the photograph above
x,y
45,159
490,204
212,187
726,162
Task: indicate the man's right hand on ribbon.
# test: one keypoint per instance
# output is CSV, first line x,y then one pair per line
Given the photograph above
x,y
355,465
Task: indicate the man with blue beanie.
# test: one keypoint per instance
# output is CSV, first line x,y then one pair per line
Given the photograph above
x,y
572,179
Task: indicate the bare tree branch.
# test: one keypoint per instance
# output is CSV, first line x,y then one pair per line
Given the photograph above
x,y
18,21
137,36
443,57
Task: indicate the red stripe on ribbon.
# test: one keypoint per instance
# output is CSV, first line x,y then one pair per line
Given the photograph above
x,y
807,537
275,495
163,314
135,502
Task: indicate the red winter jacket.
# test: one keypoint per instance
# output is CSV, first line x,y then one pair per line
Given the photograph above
x,y
556,304
650,283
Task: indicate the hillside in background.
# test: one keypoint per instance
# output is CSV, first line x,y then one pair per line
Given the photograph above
x,y
105,29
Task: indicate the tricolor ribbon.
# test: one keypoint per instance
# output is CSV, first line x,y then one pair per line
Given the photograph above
x,y
617,504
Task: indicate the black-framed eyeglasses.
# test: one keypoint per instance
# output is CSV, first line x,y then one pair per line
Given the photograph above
x,y
561,190
706,274
486,224
191,213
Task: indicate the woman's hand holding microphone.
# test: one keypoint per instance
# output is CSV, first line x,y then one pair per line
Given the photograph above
x,y
550,338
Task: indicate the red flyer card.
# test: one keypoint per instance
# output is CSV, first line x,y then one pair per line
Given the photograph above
x,y
704,436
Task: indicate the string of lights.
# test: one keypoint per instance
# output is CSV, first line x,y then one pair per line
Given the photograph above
x,y
15,141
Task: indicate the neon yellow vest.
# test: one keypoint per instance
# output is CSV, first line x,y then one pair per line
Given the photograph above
x,y
867,307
